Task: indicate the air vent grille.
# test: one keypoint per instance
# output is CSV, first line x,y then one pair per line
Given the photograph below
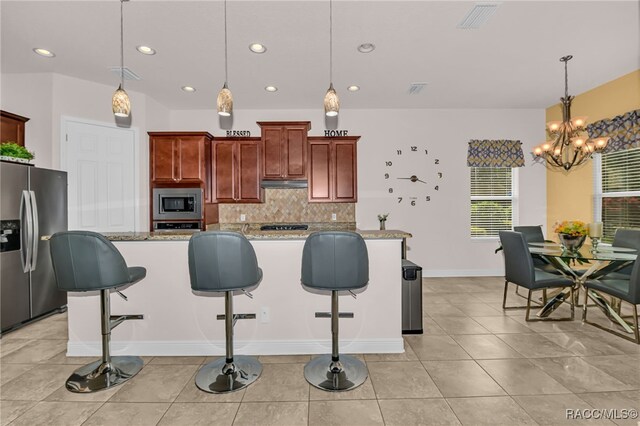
x,y
478,16
128,74
416,88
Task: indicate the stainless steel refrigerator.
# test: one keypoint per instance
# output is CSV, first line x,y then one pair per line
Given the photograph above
x,y
33,203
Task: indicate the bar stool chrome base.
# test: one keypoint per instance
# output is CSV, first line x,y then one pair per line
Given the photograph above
x,y
99,375
343,375
220,377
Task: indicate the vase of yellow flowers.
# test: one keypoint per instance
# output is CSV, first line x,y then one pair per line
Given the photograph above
x,y
571,234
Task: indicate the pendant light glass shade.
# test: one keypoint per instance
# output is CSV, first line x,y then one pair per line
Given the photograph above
x,y
120,103
225,101
331,102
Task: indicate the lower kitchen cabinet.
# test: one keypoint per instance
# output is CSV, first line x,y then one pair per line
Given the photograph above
x,y
332,169
236,170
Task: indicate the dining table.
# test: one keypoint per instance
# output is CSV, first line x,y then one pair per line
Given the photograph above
x,y
587,263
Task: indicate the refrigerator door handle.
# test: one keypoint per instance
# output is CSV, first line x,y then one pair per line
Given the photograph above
x,y
25,231
35,236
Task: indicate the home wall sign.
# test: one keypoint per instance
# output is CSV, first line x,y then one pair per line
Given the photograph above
x,y
238,133
334,133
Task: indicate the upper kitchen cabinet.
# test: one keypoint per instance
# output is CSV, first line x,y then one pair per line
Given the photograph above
x,y
284,149
332,167
236,170
179,157
12,127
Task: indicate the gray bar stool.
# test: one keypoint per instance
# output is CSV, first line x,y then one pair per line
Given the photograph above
x,y
87,261
225,262
335,261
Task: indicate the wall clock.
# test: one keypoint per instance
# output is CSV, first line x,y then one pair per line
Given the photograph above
x,y
413,176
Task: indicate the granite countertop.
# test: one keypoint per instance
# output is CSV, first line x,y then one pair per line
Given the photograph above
x,y
251,235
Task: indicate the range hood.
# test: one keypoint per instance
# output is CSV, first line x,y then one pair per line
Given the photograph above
x,y
284,184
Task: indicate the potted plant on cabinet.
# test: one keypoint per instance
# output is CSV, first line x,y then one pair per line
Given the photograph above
x,y
11,151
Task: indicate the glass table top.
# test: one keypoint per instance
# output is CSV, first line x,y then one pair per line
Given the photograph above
x,y
585,253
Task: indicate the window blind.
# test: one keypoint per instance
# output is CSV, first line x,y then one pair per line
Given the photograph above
x,y
491,201
620,191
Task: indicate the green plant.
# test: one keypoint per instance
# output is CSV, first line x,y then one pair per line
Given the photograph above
x,y
575,228
12,149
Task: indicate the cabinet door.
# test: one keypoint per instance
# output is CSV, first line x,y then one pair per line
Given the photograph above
x,y
190,151
272,152
295,153
163,167
249,172
224,172
320,171
345,173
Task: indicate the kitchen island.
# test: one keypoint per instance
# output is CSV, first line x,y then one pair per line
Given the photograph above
x,y
179,322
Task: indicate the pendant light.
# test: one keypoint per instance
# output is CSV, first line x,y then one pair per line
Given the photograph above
x,y
225,99
120,103
331,101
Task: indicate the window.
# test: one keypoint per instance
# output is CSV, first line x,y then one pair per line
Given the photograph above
x,y
617,191
492,200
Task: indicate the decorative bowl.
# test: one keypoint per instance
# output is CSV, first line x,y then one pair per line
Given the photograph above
x,y
571,243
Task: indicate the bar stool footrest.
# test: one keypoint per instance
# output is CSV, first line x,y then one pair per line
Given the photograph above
x,y
211,379
317,372
99,376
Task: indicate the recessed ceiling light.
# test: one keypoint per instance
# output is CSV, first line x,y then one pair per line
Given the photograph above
x,y
146,50
188,89
353,88
366,48
257,48
271,89
44,52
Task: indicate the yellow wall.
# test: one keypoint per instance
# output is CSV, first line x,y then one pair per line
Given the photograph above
x,y
570,194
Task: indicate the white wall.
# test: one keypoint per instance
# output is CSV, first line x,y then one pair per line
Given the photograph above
x,y
441,242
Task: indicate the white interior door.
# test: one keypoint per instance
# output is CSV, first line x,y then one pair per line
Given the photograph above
x,y
100,161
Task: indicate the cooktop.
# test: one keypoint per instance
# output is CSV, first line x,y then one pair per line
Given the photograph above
x,y
284,227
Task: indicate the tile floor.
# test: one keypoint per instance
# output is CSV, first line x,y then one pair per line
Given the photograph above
x,y
474,365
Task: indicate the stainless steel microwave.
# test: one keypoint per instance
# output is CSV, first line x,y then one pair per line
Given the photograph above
x,y
177,203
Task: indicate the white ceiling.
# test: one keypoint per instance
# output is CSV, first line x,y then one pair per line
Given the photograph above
x,y
511,62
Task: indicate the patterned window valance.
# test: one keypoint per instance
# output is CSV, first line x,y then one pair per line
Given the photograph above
x,y
624,131
495,153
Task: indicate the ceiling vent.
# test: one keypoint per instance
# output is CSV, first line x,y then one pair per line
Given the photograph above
x,y
128,74
416,88
478,16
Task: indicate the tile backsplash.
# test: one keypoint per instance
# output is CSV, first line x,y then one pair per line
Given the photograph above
x,y
287,206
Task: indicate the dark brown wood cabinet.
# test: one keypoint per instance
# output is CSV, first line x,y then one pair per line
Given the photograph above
x,y
284,149
12,127
179,157
332,169
236,170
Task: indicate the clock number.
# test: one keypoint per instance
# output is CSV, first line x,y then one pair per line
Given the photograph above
x,y
414,148
399,200
428,197
437,188
426,151
390,190
413,202
386,175
399,152
388,163
439,175
437,161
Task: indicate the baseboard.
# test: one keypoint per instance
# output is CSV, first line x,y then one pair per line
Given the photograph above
x,y
200,348
439,273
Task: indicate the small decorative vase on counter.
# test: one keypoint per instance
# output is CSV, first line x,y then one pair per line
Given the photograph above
x,y
382,222
571,243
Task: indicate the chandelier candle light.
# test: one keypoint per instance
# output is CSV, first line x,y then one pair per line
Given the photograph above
x,y
120,104
568,147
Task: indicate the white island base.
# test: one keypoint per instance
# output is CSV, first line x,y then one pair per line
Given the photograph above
x,y
179,322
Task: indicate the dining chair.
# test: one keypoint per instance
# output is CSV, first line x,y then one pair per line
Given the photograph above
x,y
627,238
627,290
520,270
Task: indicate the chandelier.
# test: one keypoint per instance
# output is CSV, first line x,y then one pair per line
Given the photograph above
x,y
120,104
566,146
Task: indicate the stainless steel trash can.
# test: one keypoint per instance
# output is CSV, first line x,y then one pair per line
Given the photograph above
x,y
411,298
